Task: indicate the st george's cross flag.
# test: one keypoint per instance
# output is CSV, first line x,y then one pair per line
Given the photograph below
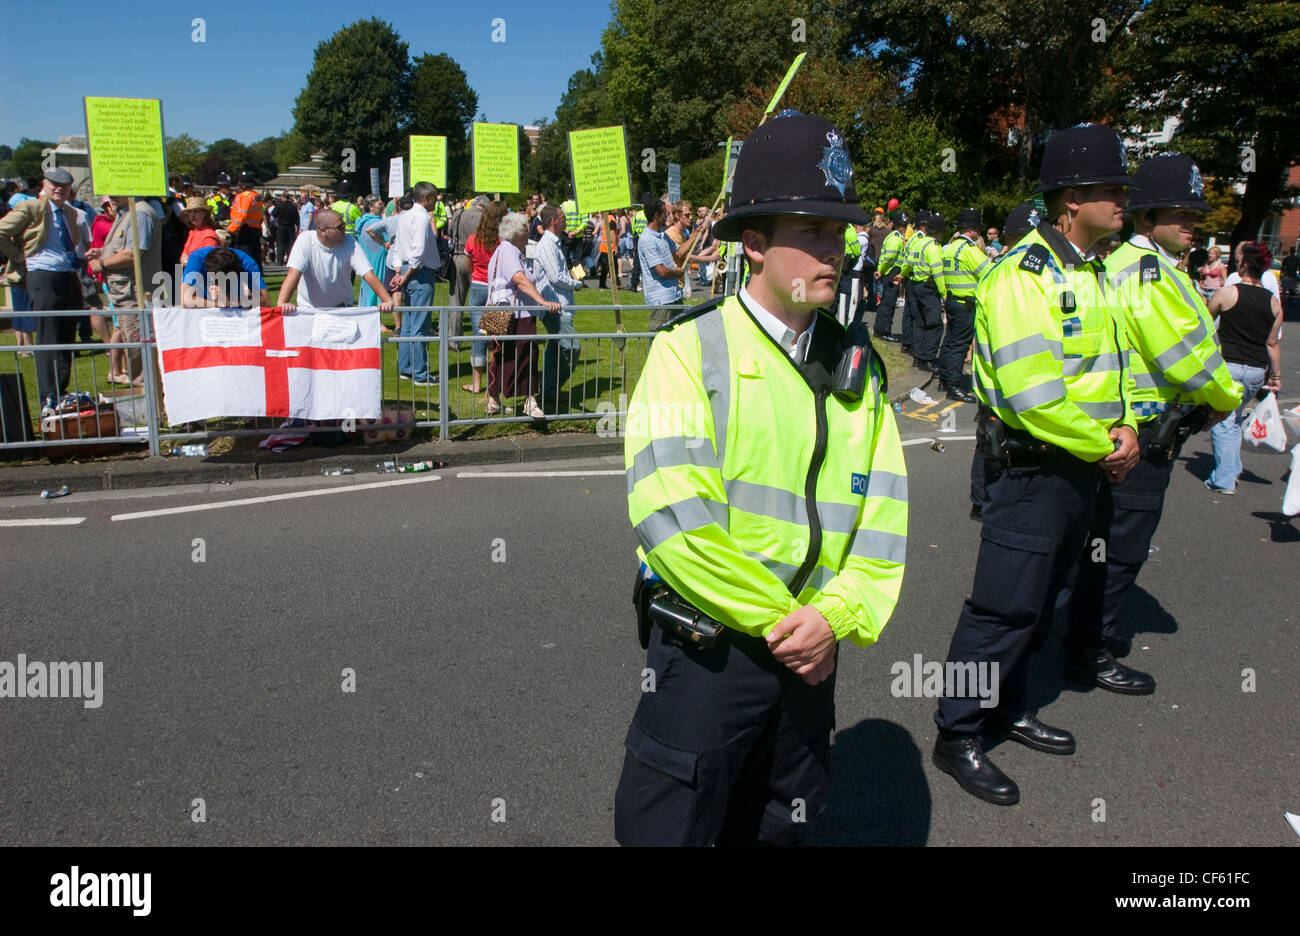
x,y
312,364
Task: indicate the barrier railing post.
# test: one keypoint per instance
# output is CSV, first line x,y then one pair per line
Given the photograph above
x,y
153,412
444,379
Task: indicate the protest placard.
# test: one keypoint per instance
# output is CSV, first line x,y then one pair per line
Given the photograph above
x,y
496,157
598,158
125,137
428,160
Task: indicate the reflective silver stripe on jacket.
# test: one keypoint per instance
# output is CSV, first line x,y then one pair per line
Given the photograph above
x,y
715,374
667,453
876,544
1106,361
681,517
1026,347
1025,400
1180,349
1109,410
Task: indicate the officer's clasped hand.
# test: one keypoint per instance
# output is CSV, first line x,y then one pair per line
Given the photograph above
x,y
1121,462
805,644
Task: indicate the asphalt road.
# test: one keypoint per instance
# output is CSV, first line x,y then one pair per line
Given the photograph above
x,y
487,625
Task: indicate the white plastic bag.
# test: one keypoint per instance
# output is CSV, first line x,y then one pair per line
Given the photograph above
x,y
1291,499
1265,425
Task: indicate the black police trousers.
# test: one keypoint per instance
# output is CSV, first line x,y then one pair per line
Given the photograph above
x,y
885,310
956,340
731,748
1126,519
909,312
927,329
1036,522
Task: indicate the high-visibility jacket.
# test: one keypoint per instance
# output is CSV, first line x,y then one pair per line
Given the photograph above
x,y
751,492
439,213
963,263
852,246
350,212
910,251
639,222
928,266
1049,354
245,211
219,205
891,253
1176,355
573,222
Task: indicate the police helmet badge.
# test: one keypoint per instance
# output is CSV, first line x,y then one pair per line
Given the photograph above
x,y
835,164
1034,217
1123,155
1195,183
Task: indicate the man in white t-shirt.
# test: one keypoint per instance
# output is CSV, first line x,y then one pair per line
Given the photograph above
x,y
318,268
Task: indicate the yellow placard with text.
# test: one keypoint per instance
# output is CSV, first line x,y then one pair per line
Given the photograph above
x,y
429,160
496,157
598,158
125,137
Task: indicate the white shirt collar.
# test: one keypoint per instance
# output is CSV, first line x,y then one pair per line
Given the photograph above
x,y
794,345
1146,243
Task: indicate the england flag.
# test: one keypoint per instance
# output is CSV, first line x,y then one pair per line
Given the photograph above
x,y
313,364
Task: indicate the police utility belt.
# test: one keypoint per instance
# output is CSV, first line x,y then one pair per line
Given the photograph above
x,y
1165,435
685,625
1005,447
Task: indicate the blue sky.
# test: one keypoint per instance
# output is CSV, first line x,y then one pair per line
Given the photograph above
x,y
243,80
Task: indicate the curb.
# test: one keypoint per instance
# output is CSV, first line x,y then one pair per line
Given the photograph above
x,y
165,471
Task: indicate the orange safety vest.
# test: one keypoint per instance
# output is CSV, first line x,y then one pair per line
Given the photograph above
x,y
246,209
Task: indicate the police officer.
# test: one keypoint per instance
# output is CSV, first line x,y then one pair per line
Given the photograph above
x,y
769,497
1176,367
888,271
963,263
905,274
1054,417
928,283
1020,221
348,211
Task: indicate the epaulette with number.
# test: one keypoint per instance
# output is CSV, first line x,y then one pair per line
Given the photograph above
x,y
1149,269
1035,258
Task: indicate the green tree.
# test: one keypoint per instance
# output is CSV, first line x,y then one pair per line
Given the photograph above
x,y
184,153
26,159
6,154
291,150
443,104
983,67
260,163
1228,71
357,95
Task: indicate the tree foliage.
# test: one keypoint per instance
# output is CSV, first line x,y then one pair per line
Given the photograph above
x,y
1227,69
25,162
184,153
357,95
442,103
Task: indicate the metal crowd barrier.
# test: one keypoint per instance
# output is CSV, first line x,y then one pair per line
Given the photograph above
x,y
605,368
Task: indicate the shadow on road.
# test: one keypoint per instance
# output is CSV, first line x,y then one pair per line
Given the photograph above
x,y
1282,529
879,794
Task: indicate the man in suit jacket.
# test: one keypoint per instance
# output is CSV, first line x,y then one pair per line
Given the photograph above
x,y
39,239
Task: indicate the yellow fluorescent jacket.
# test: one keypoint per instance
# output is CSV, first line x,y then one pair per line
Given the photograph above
x,y
1050,356
738,472
1176,356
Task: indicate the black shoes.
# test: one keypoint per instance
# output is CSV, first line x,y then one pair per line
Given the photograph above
x,y
1032,733
962,757
892,339
906,349
956,393
1105,672
922,365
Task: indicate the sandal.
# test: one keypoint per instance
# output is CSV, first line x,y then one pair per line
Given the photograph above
x,y
534,411
494,409
119,379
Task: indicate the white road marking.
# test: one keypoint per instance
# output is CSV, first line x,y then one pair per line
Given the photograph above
x,y
537,474
43,521
244,502
944,439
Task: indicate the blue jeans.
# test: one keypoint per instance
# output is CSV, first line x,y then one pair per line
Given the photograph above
x,y
558,360
478,293
1226,436
413,356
